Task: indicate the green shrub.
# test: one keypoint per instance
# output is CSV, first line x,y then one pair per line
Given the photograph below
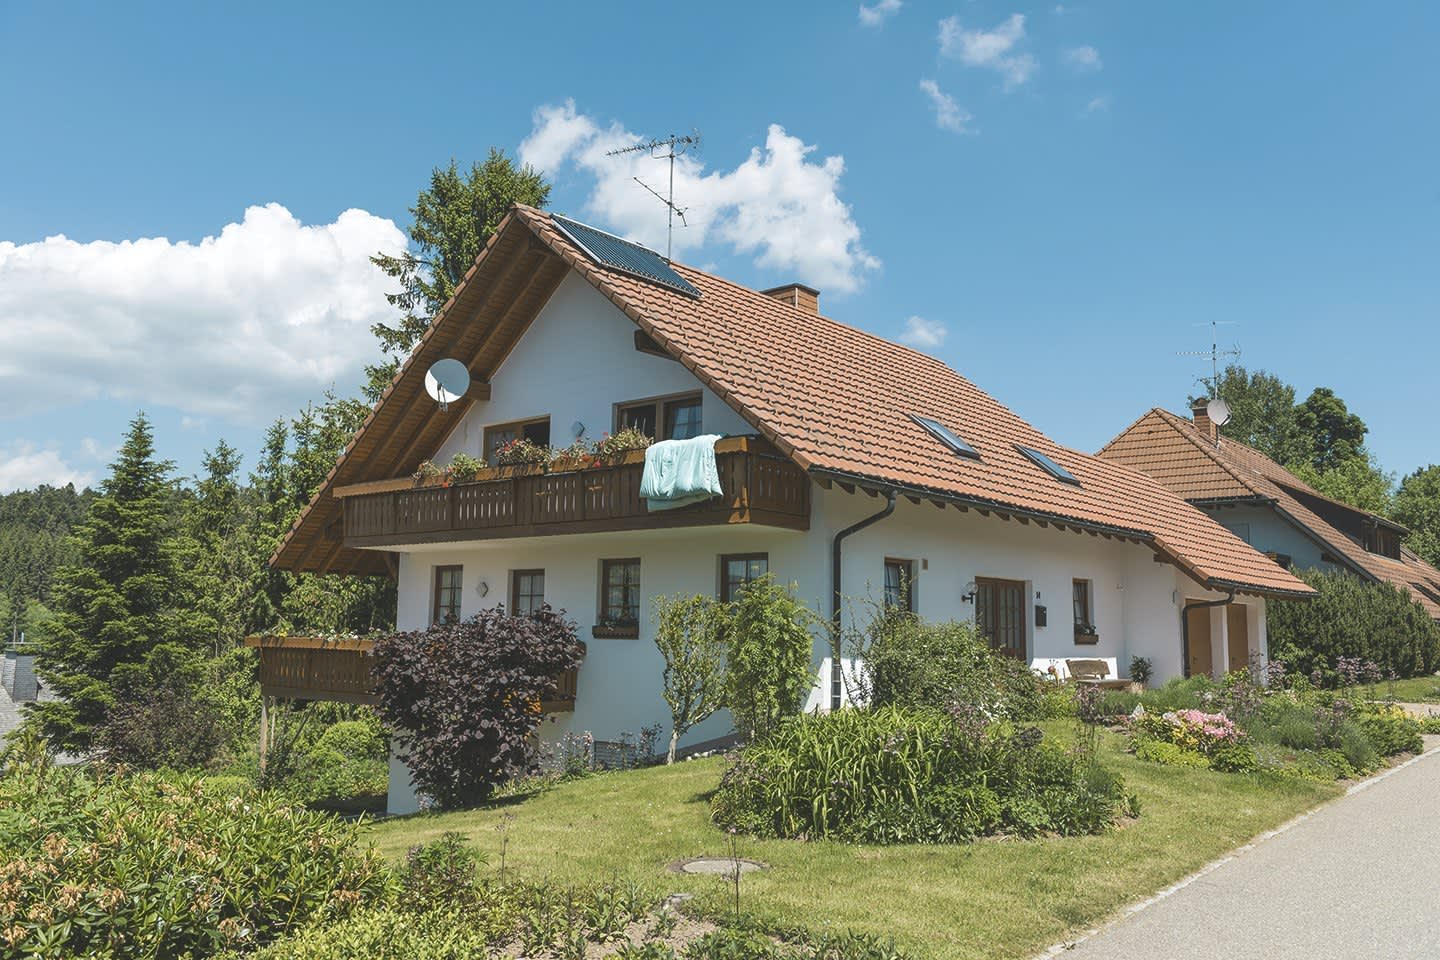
x,y
768,656
918,665
1296,729
910,776
1235,758
1430,724
386,933
1160,751
119,866
1390,730
1194,693
468,696
349,760
1352,618
1356,747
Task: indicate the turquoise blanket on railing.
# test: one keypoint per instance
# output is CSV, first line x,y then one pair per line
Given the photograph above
x,y
680,472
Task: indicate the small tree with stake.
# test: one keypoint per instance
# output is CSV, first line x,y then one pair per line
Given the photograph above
x,y
464,698
690,633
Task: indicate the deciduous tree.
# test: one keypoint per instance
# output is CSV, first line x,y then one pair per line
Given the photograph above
x,y
690,634
1417,506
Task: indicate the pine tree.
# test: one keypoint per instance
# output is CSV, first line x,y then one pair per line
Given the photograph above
x,y
124,607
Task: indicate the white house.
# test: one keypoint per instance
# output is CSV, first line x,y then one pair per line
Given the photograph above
x,y
850,463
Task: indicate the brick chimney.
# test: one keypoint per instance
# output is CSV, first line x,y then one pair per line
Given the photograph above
x,y
798,296
1200,412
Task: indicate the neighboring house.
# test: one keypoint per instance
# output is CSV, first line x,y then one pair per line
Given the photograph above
x,y
851,466
1269,507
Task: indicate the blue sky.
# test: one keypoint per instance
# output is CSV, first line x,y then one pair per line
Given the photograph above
x,y
1063,195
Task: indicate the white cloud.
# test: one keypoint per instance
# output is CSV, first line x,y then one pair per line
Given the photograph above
x,y
875,14
241,326
949,115
24,466
923,334
1097,104
777,206
990,49
1085,58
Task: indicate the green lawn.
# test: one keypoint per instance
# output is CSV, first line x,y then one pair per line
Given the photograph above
x,y
990,899
1413,690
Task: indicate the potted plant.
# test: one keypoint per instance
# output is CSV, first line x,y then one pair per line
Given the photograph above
x,y
616,629
465,468
613,447
514,456
1141,670
577,456
430,474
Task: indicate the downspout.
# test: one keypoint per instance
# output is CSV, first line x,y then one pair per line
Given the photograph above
x,y
1185,624
836,560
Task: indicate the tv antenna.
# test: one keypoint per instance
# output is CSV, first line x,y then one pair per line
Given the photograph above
x,y
1214,353
667,148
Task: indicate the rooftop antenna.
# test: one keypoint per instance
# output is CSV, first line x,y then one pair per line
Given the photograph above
x,y
667,148
1214,353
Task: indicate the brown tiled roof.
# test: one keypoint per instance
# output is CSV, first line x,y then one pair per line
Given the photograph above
x,y
838,401
1172,450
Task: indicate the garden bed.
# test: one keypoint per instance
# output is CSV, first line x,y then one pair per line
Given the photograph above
x,y
972,900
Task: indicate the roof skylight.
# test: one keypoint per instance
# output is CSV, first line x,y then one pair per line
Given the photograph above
x,y
946,436
1049,466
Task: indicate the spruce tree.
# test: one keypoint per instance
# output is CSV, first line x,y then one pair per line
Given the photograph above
x,y
123,608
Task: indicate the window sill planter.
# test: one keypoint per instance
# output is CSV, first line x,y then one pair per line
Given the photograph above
x,y
1087,639
615,631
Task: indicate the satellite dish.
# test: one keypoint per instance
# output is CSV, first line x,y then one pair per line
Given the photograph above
x,y
1218,411
447,380
577,429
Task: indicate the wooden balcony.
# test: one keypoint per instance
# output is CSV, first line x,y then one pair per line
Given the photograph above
x,y
317,668
760,487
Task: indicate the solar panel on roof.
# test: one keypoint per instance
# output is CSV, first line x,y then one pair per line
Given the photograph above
x,y
946,436
1049,466
610,251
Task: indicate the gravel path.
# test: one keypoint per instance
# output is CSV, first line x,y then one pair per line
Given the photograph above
x,y
1354,879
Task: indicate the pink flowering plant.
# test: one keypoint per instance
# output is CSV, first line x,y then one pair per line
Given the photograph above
x,y
1194,730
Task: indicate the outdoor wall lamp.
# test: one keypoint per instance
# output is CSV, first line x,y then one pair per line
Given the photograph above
x,y
969,595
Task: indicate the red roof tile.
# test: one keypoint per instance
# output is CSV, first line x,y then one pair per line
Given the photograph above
x,y
1172,450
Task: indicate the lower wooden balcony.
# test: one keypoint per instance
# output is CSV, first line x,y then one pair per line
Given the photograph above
x,y
760,486
319,668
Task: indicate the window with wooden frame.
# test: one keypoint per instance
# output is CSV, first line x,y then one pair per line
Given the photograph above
x,y
739,569
1081,591
619,598
537,431
676,417
527,592
900,584
445,601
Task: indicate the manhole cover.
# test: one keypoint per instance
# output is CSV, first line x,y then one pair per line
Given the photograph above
x,y
717,865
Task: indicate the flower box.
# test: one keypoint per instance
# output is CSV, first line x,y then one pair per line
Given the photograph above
x,y
615,631
1087,639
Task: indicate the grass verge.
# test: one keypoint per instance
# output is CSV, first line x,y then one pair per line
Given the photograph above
x,y
1413,690
989,899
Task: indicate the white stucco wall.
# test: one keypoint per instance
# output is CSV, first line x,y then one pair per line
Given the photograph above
x,y
577,360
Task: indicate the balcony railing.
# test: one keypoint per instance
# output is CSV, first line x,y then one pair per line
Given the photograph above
x,y
318,668
759,487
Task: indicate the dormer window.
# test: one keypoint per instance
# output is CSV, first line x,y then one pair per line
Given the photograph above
x,y
947,436
1381,540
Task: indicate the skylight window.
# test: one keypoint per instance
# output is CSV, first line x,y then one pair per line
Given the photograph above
x,y
1049,466
947,436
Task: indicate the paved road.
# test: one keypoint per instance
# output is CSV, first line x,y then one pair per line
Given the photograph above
x,y
1357,879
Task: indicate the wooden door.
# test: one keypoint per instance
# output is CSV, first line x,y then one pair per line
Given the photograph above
x,y
1198,662
1237,625
1000,615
